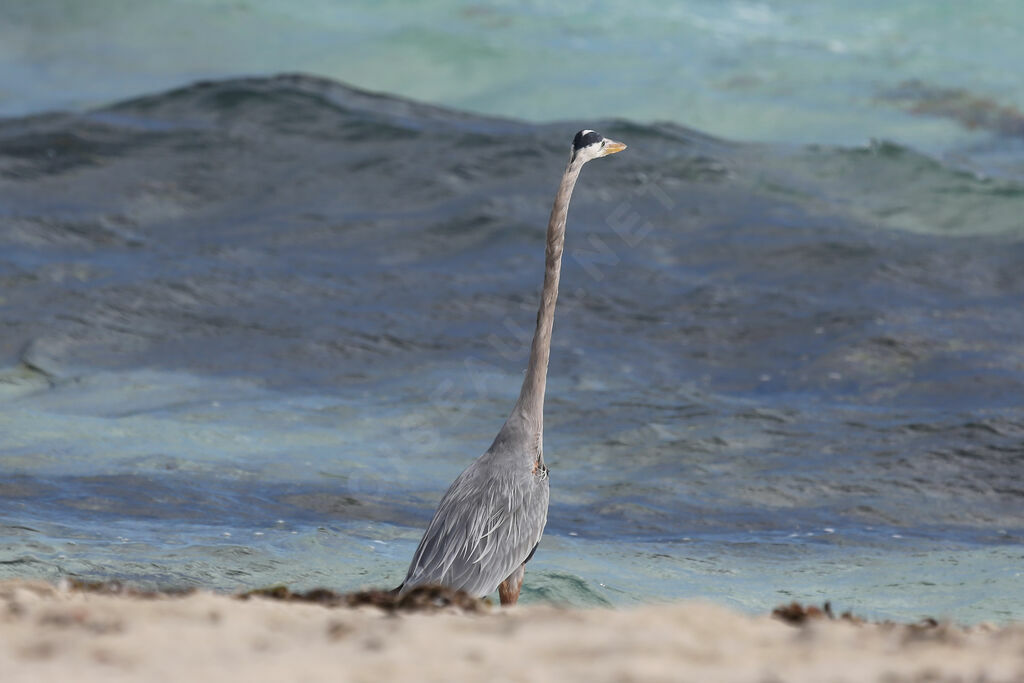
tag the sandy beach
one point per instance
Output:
(50, 633)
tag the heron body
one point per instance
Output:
(491, 519)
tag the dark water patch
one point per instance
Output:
(331, 505)
(32, 149)
(19, 561)
(19, 486)
(888, 185)
(219, 502)
(561, 588)
(103, 232)
(971, 110)
(134, 497)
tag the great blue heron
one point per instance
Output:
(490, 521)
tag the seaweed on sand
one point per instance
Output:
(419, 599)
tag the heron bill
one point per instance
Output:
(611, 147)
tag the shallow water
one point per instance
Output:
(252, 330)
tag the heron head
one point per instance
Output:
(589, 145)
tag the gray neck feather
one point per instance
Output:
(528, 415)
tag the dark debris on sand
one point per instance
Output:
(115, 587)
(795, 613)
(420, 599)
(433, 598)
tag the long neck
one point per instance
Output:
(530, 406)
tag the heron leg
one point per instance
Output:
(508, 590)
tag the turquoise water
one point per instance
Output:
(247, 328)
(783, 70)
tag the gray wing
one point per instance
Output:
(486, 526)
